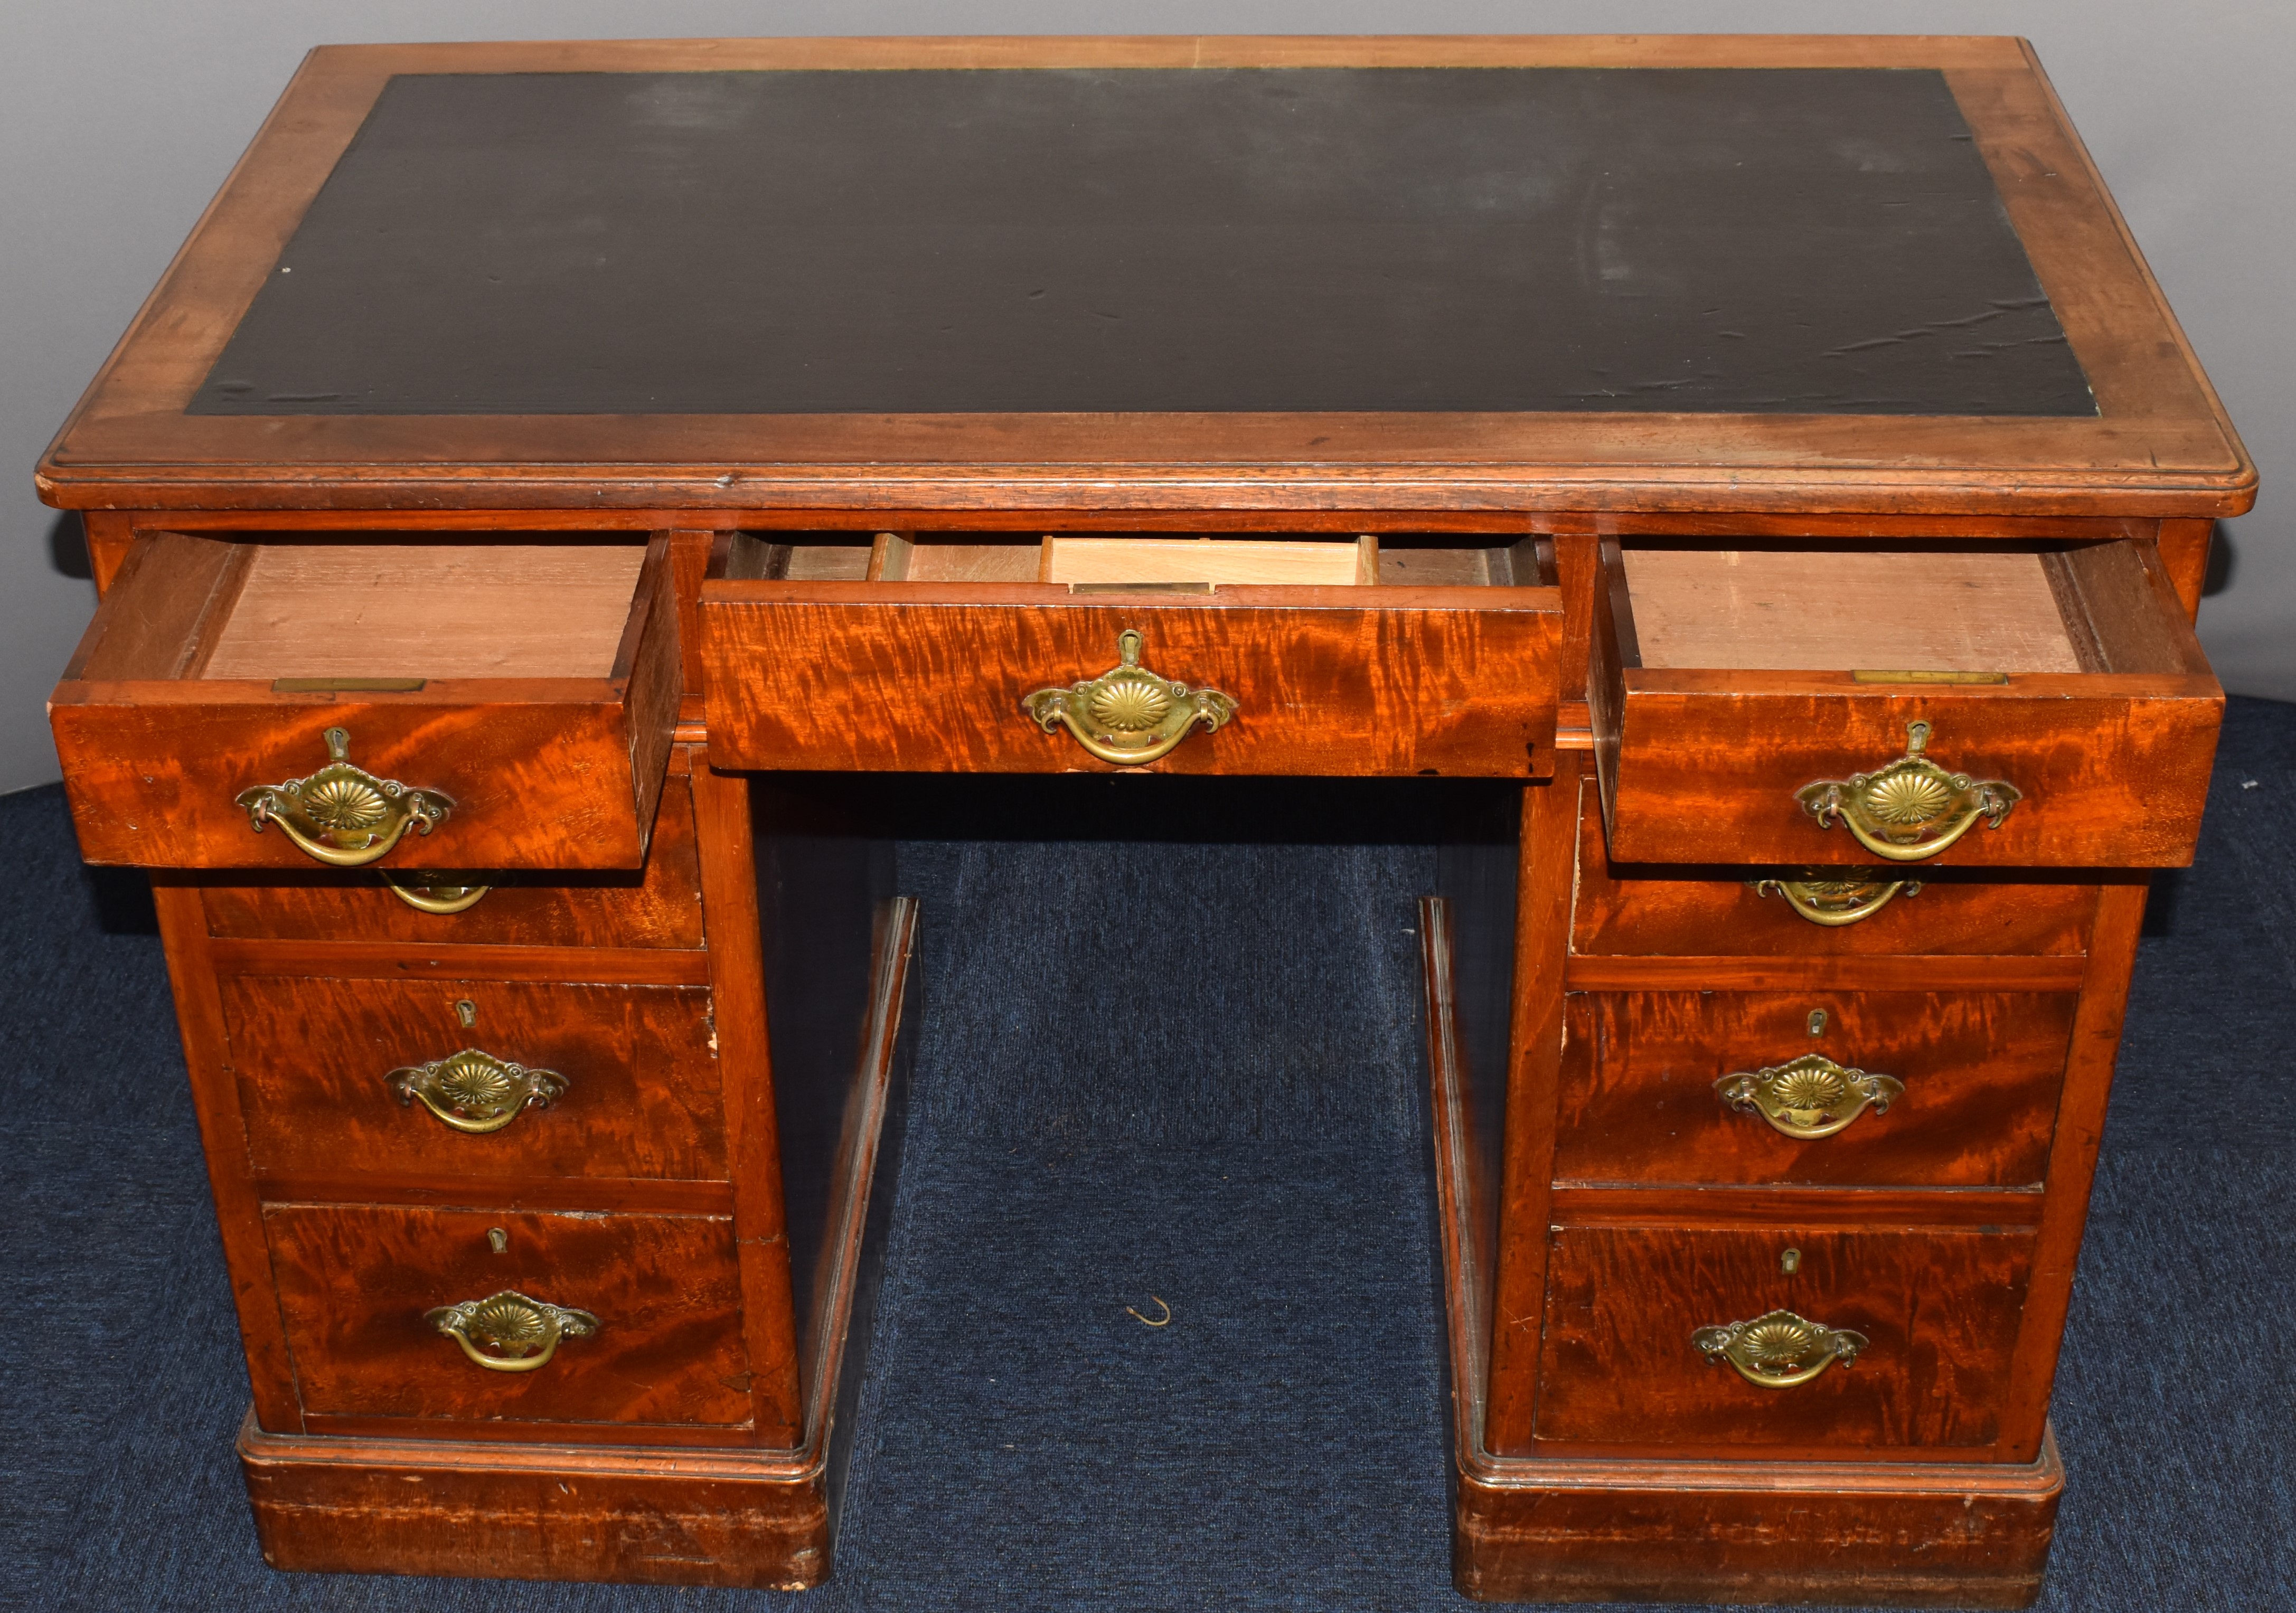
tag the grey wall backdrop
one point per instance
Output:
(119, 118)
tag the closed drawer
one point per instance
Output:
(2017, 705)
(1628, 911)
(332, 1077)
(409, 704)
(914, 674)
(358, 1287)
(1937, 1311)
(1913, 1089)
(658, 907)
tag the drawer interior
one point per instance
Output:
(1130, 560)
(303, 607)
(1971, 609)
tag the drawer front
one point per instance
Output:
(1973, 1101)
(182, 722)
(1629, 912)
(2012, 707)
(1713, 767)
(1938, 1312)
(837, 676)
(357, 1286)
(657, 906)
(635, 1092)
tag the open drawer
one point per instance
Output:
(998, 653)
(2039, 705)
(414, 702)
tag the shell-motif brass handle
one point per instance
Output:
(1835, 903)
(1810, 1097)
(1779, 1350)
(508, 1332)
(343, 815)
(1912, 808)
(429, 897)
(475, 1092)
(1128, 714)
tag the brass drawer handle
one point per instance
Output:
(1835, 903)
(475, 1092)
(343, 815)
(1810, 1097)
(1912, 808)
(434, 899)
(512, 1327)
(1779, 1350)
(1128, 714)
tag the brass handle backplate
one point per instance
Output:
(1912, 808)
(508, 1332)
(343, 815)
(1835, 903)
(1779, 1350)
(1128, 714)
(427, 896)
(475, 1092)
(1812, 1096)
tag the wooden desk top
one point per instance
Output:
(1379, 275)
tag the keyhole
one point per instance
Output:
(1817, 1021)
(467, 1011)
(497, 1239)
(1790, 1262)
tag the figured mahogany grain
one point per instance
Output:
(633, 1195)
(398, 960)
(914, 678)
(344, 1505)
(1837, 1532)
(549, 772)
(659, 905)
(313, 1059)
(1703, 764)
(537, 783)
(2072, 1167)
(1534, 1075)
(1762, 1207)
(739, 1017)
(1980, 1074)
(1883, 971)
(2114, 767)
(1617, 1371)
(1596, 1528)
(355, 1282)
(1589, 1526)
(223, 1139)
(1467, 1151)
(1627, 911)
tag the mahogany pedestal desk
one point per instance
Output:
(560, 487)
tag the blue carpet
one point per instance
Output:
(1249, 1145)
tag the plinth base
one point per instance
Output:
(331, 1504)
(1855, 1534)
